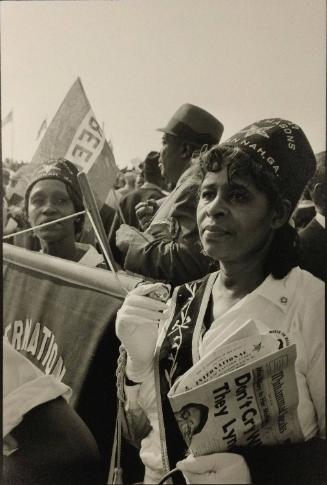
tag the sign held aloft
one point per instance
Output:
(75, 134)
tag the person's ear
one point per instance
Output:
(316, 190)
(186, 151)
(281, 214)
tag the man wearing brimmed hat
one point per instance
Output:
(150, 189)
(169, 249)
(187, 131)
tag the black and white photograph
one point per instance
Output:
(163, 241)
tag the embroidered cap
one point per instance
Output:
(282, 148)
(60, 169)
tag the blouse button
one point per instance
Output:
(283, 299)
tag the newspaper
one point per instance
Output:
(243, 393)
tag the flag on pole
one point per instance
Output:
(16, 193)
(75, 134)
(61, 316)
(55, 306)
(42, 128)
(8, 119)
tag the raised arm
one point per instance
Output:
(175, 254)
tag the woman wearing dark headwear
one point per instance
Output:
(52, 194)
(250, 187)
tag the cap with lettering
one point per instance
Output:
(282, 148)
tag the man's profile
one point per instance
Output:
(191, 419)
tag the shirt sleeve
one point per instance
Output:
(304, 462)
(314, 341)
(25, 387)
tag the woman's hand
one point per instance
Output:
(137, 326)
(215, 468)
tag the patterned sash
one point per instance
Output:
(174, 357)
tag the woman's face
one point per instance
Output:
(49, 200)
(234, 220)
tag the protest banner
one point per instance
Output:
(61, 316)
(75, 134)
(55, 311)
(42, 128)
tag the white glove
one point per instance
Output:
(215, 468)
(137, 324)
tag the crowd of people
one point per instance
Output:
(225, 229)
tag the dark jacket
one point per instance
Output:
(130, 200)
(175, 254)
(313, 249)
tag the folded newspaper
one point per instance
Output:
(243, 393)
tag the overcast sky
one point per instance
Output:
(139, 60)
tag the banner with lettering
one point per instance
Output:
(75, 134)
(56, 312)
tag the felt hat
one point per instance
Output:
(194, 125)
(60, 169)
(282, 148)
